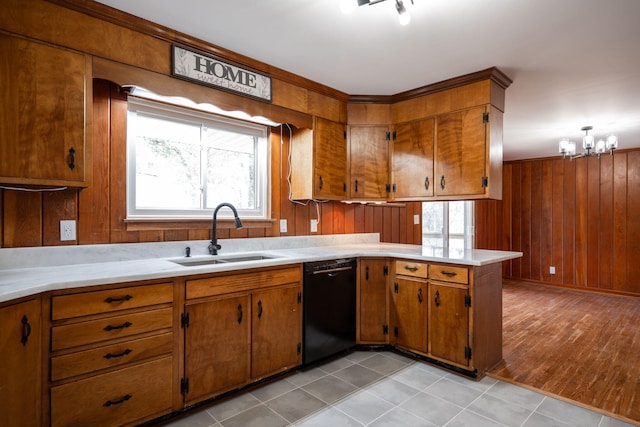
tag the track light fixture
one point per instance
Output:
(568, 148)
(404, 18)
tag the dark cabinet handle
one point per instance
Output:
(321, 183)
(426, 183)
(436, 298)
(117, 402)
(420, 295)
(113, 328)
(72, 158)
(118, 299)
(259, 309)
(26, 330)
(356, 185)
(414, 268)
(239, 314)
(366, 273)
(112, 356)
(442, 183)
(449, 273)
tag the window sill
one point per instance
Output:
(146, 224)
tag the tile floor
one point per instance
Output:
(387, 389)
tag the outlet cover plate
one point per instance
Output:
(314, 225)
(283, 225)
(67, 230)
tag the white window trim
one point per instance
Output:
(263, 170)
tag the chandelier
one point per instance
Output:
(347, 6)
(591, 147)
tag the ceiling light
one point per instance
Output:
(589, 144)
(348, 6)
(404, 17)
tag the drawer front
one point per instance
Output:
(240, 282)
(411, 268)
(67, 306)
(116, 398)
(448, 273)
(95, 331)
(110, 356)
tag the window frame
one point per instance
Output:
(181, 114)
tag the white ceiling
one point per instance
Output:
(573, 62)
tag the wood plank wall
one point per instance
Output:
(32, 218)
(580, 216)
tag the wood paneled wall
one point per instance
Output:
(32, 218)
(581, 217)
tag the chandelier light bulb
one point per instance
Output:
(612, 142)
(600, 146)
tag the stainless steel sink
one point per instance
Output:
(194, 262)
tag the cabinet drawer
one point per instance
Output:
(110, 356)
(239, 282)
(67, 306)
(411, 268)
(116, 398)
(94, 331)
(447, 273)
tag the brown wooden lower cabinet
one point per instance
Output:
(20, 374)
(373, 301)
(409, 307)
(233, 338)
(448, 313)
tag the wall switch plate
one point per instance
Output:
(67, 230)
(283, 225)
(416, 219)
(314, 225)
(552, 270)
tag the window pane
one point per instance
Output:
(456, 217)
(230, 169)
(432, 218)
(167, 164)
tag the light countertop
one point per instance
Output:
(29, 271)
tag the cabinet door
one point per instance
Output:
(448, 323)
(330, 154)
(368, 162)
(412, 160)
(20, 372)
(217, 346)
(461, 153)
(42, 136)
(410, 314)
(372, 301)
(276, 336)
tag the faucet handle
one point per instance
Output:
(213, 249)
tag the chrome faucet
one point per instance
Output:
(214, 246)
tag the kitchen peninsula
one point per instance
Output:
(128, 325)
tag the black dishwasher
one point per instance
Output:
(329, 308)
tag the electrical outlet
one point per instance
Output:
(416, 219)
(314, 225)
(552, 270)
(68, 230)
(283, 225)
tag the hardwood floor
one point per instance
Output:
(577, 345)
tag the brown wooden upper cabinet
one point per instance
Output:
(412, 160)
(319, 161)
(468, 157)
(368, 162)
(46, 114)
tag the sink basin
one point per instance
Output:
(194, 262)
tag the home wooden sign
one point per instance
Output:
(207, 70)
